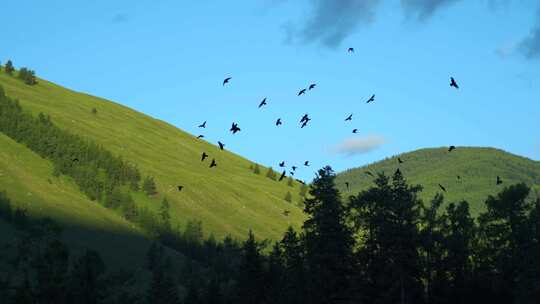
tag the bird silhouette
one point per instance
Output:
(372, 98)
(204, 156)
(291, 173)
(306, 163)
(286, 212)
(312, 86)
(278, 122)
(355, 131)
(282, 175)
(200, 136)
(221, 145)
(180, 188)
(234, 128)
(399, 160)
(453, 83)
(347, 185)
(203, 125)
(349, 118)
(369, 173)
(263, 102)
(350, 50)
(304, 118)
(442, 187)
(302, 91)
(499, 180)
(293, 168)
(451, 148)
(226, 80)
(282, 164)
(213, 164)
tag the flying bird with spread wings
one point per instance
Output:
(453, 83)
(263, 102)
(234, 128)
(372, 98)
(226, 80)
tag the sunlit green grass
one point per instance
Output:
(229, 199)
(477, 167)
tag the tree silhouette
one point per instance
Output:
(329, 242)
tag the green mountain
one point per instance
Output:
(229, 199)
(477, 168)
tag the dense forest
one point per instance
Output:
(383, 245)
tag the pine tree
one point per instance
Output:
(162, 289)
(149, 186)
(86, 279)
(387, 217)
(6, 212)
(290, 182)
(271, 174)
(288, 197)
(295, 284)
(8, 68)
(257, 169)
(303, 190)
(94, 111)
(164, 213)
(329, 242)
(506, 231)
(459, 231)
(250, 278)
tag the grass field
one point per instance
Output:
(229, 199)
(477, 167)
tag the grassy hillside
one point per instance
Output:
(477, 167)
(229, 199)
(28, 180)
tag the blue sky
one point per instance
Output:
(168, 59)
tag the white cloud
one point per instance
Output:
(361, 145)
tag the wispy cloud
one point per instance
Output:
(423, 9)
(120, 18)
(331, 21)
(354, 146)
(530, 46)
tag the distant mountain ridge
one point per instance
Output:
(477, 168)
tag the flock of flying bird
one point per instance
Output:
(303, 123)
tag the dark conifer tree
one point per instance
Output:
(388, 220)
(328, 242)
(250, 278)
(8, 68)
(149, 186)
(87, 285)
